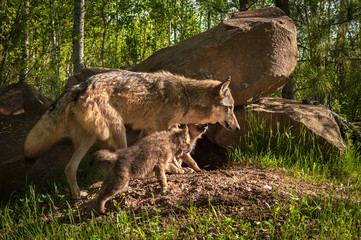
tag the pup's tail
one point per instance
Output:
(47, 130)
(104, 155)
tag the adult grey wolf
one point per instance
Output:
(148, 155)
(99, 107)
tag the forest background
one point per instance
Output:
(36, 41)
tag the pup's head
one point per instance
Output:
(223, 108)
(196, 130)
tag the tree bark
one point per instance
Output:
(284, 5)
(54, 44)
(288, 91)
(23, 76)
(243, 5)
(78, 35)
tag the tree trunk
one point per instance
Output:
(288, 91)
(284, 6)
(54, 45)
(23, 76)
(78, 35)
(243, 5)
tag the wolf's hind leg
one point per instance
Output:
(118, 137)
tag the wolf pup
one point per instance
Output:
(148, 155)
(195, 131)
(99, 108)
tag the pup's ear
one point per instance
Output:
(223, 87)
(182, 126)
(174, 126)
(185, 131)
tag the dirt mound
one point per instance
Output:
(245, 190)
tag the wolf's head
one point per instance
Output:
(223, 107)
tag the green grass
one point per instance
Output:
(304, 154)
(36, 216)
(334, 214)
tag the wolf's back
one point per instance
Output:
(47, 130)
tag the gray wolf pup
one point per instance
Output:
(99, 108)
(148, 156)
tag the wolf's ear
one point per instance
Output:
(223, 87)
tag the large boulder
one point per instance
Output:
(20, 107)
(257, 48)
(288, 114)
(84, 74)
(20, 98)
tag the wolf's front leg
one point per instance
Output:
(72, 167)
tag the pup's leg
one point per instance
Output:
(111, 186)
(162, 179)
(187, 159)
(82, 141)
(174, 166)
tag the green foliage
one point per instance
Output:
(303, 153)
(329, 69)
(117, 34)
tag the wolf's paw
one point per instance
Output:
(83, 193)
(179, 171)
(80, 194)
(166, 190)
(188, 170)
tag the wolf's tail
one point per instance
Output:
(47, 130)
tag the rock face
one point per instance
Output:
(20, 107)
(314, 118)
(20, 98)
(257, 48)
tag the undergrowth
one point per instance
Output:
(303, 153)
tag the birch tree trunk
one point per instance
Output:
(78, 35)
